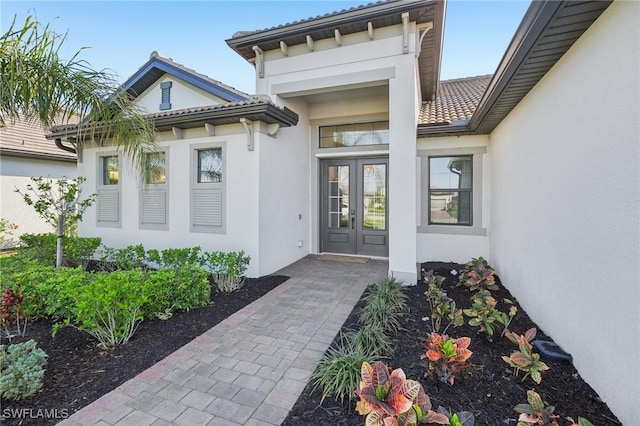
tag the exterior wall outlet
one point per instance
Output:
(299, 243)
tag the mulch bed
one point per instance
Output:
(488, 389)
(78, 372)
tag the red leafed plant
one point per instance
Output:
(447, 356)
(11, 312)
(525, 359)
(389, 399)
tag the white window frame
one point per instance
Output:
(477, 153)
(101, 188)
(196, 186)
(161, 188)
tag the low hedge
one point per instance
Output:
(115, 300)
(42, 248)
(170, 290)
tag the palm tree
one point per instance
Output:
(36, 83)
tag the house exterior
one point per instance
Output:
(25, 152)
(356, 147)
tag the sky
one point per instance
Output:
(120, 35)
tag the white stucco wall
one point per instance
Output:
(455, 247)
(16, 172)
(241, 191)
(182, 95)
(359, 63)
(284, 197)
(565, 206)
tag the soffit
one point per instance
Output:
(546, 33)
(562, 23)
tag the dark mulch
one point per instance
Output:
(78, 372)
(488, 388)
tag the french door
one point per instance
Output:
(353, 216)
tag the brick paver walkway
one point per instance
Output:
(250, 368)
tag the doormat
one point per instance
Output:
(345, 259)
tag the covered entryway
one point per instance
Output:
(353, 215)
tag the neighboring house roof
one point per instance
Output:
(26, 138)
(158, 65)
(353, 20)
(456, 100)
(256, 108)
(546, 33)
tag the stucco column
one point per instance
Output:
(402, 172)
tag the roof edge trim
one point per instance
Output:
(533, 24)
(190, 78)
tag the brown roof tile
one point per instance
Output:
(26, 138)
(312, 18)
(456, 100)
(253, 100)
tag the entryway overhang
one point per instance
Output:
(427, 14)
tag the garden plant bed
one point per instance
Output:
(78, 372)
(488, 388)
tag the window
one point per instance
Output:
(110, 170)
(108, 189)
(155, 173)
(451, 191)
(376, 133)
(209, 165)
(165, 96)
(153, 204)
(208, 188)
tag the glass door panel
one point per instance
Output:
(338, 196)
(374, 196)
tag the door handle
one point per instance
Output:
(353, 222)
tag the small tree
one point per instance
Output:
(58, 203)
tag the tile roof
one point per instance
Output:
(456, 100)
(312, 18)
(158, 65)
(193, 72)
(235, 108)
(253, 100)
(26, 138)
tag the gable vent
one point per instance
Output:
(165, 102)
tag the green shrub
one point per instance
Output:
(48, 292)
(175, 258)
(130, 257)
(42, 248)
(338, 372)
(30, 275)
(22, 368)
(169, 289)
(228, 268)
(110, 309)
(58, 292)
(372, 340)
